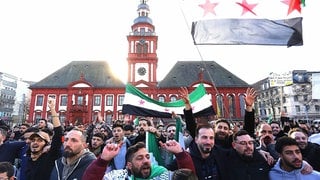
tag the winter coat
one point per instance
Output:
(64, 171)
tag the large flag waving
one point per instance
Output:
(137, 103)
(245, 22)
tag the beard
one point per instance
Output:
(142, 172)
(221, 135)
(67, 153)
(205, 148)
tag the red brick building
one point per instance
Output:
(84, 89)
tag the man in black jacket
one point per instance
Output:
(41, 161)
(244, 160)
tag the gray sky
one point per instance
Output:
(38, 37)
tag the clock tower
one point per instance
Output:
(142, 56)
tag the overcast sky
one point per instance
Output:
(38, 37)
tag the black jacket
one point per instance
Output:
(256, 168)
(41, 168)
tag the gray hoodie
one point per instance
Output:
(277, 173)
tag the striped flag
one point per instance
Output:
(137, 103)
(153, 148)
(245, 22)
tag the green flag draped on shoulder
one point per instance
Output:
(137, 103)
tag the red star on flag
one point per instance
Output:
(166, 110)
(293, 5)
(208, 7)
(247, 7)
(141, 102)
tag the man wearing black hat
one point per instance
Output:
(41, 161)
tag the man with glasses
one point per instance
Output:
(244, 160)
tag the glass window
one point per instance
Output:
(121, 98)
(80, 100)
(297, 108)
(63, 100)
(97, 100)
(109, 100)
(173, 98)
(161, 98)
(39, 101)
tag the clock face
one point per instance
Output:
(142, 71)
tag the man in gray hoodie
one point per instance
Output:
(290, 162)
(76, 157)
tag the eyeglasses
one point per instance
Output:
(245, 143)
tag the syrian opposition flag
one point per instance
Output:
(245, 22)
(137, 103)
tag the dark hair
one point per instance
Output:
(275, 122)
(117, 125)
(32, 129)
(4, 131)
(25, 124)
(46, 121)
(203, 126)
(100, 135)
(184, 174)
(284, 141)
(128, 127)
(223, 121)
(239, 133)
(169, 125)
(133, 149)
(7, 167)
(144, 119)
(49, 131)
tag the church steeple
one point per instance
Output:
(142, 56)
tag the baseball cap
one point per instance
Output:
(42, 135)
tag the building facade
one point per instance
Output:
(293, 101)
(85, 90)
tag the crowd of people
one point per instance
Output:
(213, 150)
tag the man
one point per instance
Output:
(310, 151)
(222, 133)
(277, 132)
(6, 171)
(41, 159)
(223, 137)
(145, 125)
(42, 124)
(9, 151)
(138, 163)
(129, 133)
(97, 143)
(244, 160)
(24, 153)
(76, 157)
(290, 162)
(118, 162)
(265, 140)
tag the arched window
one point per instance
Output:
(232, 105)
(161, 98)
(242, 105)
(173, 98)
(220, 110)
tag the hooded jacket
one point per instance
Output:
(75, 170)
(277, 173)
